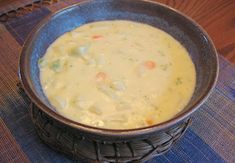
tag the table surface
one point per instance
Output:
(217, 17)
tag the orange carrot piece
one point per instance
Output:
(95, 37)
(150, 64)
(149, 121)
(101, 76)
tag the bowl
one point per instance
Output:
(91, 144)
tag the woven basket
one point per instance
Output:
(92, 149)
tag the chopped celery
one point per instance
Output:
(41, 62)
(80, 51)
(56, 65)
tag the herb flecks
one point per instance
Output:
(156, 108)
(146, 97)
(161, 53)
(164, 67)
(169, 45)
(40, 61)
(133, 59)
(56, 65)
(179, 81)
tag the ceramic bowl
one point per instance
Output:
(97, 144)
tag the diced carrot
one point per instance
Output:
(101, 76)
(150, 64)
(95, 37)
(149, 121)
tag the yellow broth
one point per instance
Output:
(117, 75)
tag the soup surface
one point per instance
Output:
(117, 75)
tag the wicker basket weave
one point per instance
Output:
(93, 149)
(89, 149)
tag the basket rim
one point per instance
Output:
(102, 131)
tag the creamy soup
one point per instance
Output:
(117, 75)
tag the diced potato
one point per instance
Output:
(75, 34)
(71, 44)
(80, 51)
(59, 85)
(83, 50)
(63, 103)
(98, 123)
(95, 110)
(122, 106)
(118, 85)
(141, 71)
(91, 62)
(84, 104)
(100, 61)
(85, 119)
(108, 91)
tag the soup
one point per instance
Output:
(117, 75)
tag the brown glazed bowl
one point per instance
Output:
(92, 144)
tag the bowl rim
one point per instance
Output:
(102, 131)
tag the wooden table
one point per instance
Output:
(217, 17)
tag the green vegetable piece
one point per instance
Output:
(41, 62)
(56, 66)
(80, 51)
